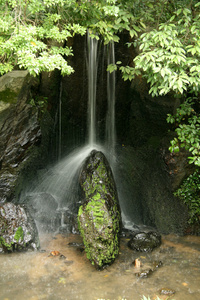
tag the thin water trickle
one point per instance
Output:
(92, 88)
(110, 118)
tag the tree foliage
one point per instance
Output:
(35, 33)
(189, 193)
(169, 55)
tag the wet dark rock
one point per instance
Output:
(145, 241)
(81, 249)
(157, 264)
(17, 229)
(42, 207)
(144, 274)
(62, 257)
(99, 216)
(20, 129)
(166, 291)
(25, 132)
(69, 222)
(74, 244)
(144, 183)
(147, 272)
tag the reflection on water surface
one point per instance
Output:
(39, 275)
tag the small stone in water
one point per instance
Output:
(137, 263)
(74, 244)
(144, 274)
(184, 284)
(166, 291)
(144, 241)
(157, 264)
(55, 253)
(81, 249)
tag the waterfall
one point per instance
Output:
(92, 68)
(59, 184)
(92, 87)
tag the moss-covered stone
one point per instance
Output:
(99, 216)
(17, 229)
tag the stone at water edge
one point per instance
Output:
(145, 241)
(166, 291)
(99, 216)
(17, 229)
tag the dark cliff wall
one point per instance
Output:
(25, 134)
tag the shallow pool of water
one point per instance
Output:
(69, 275)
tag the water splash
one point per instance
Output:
(61, 180)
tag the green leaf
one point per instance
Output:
(111, 68)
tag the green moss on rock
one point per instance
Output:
(5, 245)
(19, 234)
(8, 96)
(99, 217)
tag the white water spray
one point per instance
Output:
(60, 181)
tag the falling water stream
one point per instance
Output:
(92, 88)
(69, 275)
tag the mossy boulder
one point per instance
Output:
(17, 229)
(99, 216)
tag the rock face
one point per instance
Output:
(22, 137)
(17, 229)
(99, 216)
(143, 182)
(19, 131)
